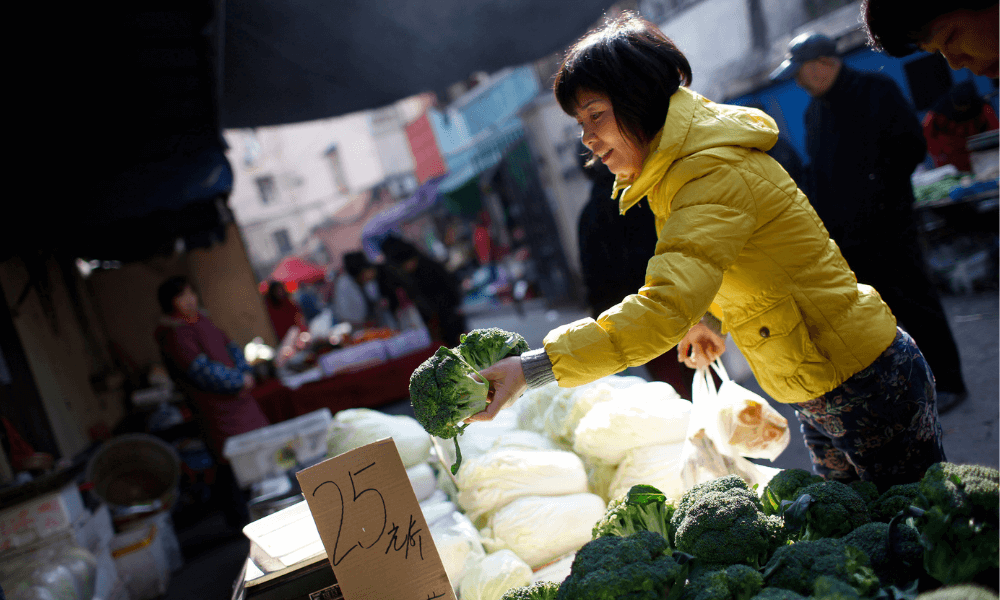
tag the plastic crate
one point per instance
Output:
(262, 453)
(407, 342)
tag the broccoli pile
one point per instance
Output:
(803, 538)
(447, 388)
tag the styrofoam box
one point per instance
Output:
(264, 452)
(407, 342)
(353, 358)
(34, 519)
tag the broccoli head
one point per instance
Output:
(642, 508)
(896, 498)
(895, 553)
(444, 391)
(796, 567)
(960, 521)
(719, 484)
(828, 509)
(637, 567)
(734, 582)
(540, 590)
(482, 348)
(728, 527)
(785, 485)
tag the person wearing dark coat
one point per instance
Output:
(614, 251)
(864, 140)
(438, 291)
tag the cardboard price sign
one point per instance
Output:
(372, 527)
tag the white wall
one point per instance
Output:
(295, 156)
(711, 34)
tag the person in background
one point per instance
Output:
(614, 250)
(738, 240)
(308, 299)
(959, 114)
(438, 294)
(864, 142)
(212, 372)
(366, 294)
(283, 311)
(965, 32)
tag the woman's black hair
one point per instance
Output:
(170, 289)
(895, 26)
(272, 292)
(634, 64)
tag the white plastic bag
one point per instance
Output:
(701, 458)
(743, 423)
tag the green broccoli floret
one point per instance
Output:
(773, 593)
(642, 508)
(444, 391)
(866, 489)
(959, 592)
(728, 527)
(637, 567)
(828, 509)
(540, 590)
(896, 558)
(829, 588)
(896, 498)
(735, 582)
(482, 348)
(785, 485)
(960, 523)
(797, 566)
(689, 497)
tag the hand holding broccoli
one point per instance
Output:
(447, 388)
(506, 379)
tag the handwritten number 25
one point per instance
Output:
(370, 517)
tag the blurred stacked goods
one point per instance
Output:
(957, 211)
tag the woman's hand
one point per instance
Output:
(703, 345)
(507, 383)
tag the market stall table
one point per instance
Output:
(366, 388)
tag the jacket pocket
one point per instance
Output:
(776, 343)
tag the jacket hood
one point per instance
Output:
(695, 124)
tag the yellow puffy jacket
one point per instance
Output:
(737, 238)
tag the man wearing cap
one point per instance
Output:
(864, 141)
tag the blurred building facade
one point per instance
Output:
(291, 179)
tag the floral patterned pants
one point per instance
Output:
(881, 425)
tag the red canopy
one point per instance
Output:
(295, 269)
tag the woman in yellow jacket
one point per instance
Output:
(739, 241)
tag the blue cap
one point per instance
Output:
(804, 47)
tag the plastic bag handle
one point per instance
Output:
(719, 368)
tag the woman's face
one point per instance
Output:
(600, 133)
(966, 38)
(186, 303)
